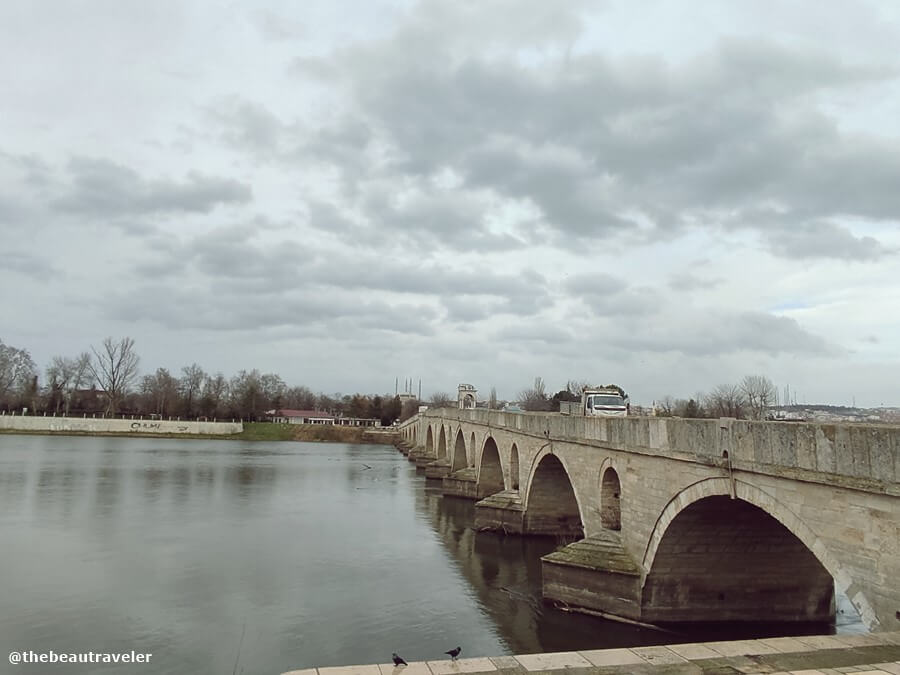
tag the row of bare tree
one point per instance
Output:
(106, 380)
(750, 398)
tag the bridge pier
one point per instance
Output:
(420, 457)
(595, 573)
(440, 468)
(501, 512)
(462, 483)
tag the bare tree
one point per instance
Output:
(577, 386)
(409, 408)
(441, 399)
(17, 371)
(215, 387)
(65, 376)
(189, 386)
(115, 367)
(535, 399)
(759, 393)
(301, 398)
(665, 407)
(159, 392)
(492, 401)
(726, 400)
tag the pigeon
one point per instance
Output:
(454, 653)
(398, 661)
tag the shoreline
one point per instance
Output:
(253, 431)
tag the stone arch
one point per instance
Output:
(458, 459)
(442, 444)
(490, 472)
(514, 467)
(429, 442)
(791, 524)
(551, 506)
(610, 500)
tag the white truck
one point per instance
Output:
(597, 402)
(604, 402)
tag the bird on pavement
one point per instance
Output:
(454, 653)
(398, 661)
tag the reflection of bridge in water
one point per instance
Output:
(685, 520)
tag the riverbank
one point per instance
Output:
(235, 431)
(874, 654)
(267, 431)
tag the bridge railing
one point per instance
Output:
(861, 451)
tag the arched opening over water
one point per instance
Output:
(514, 467)
(610, 500)
(429, 442)
(442, 444)
(724, 559)
(490, 473)
(458, 460)
(551, 507)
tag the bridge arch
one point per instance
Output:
(442, 444)
(490, 471)
(514, 467)
(429, 442)
(458, 458)
(610, 500)
(551, 505)
(801, 554)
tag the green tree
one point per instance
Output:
(391, 411)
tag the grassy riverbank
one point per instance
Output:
(267, 431)
(253, 431)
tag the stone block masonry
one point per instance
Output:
(723, 519)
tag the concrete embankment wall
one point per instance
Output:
(90, 425)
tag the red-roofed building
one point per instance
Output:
(302, 417)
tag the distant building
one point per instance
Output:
(302, 417)
(319, 417)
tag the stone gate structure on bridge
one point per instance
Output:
(684, 519)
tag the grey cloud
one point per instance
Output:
(592, 141)
(716, 331)
(688, 282)
(276, 27)
(27, 264)
(825, 240)
(103, 188)
(533, 332)
(249, 126)
(343, 316)
(609, 296)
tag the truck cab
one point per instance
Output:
(603, 403)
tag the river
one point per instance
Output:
(224, 556)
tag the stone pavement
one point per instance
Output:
(869, 654)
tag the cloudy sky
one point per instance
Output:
(661, 194)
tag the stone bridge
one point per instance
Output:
(684, 519)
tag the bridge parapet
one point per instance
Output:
(860, 455)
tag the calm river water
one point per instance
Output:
(273, 556)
